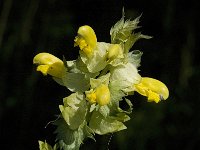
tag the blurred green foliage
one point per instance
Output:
(28, 101)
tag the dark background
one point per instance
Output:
(28, 100)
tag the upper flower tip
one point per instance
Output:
(45, 59)
(153, 89)
(49, 64)
(86, 39)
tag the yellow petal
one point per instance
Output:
(102, 95)
(43, 69)
(114, 51)
(89, 35)
(49, 64)
(152, 96)
(153, 89)
(86, 39)
(56, 69)
(45, 59)
(91, 97)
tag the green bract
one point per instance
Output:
(99, 78)
(127, 75)
(97, 62)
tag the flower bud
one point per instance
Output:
(113, 51)
(100, 95)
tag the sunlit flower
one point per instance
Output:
(153, 89)
(49, 64)
(100, 95)
(86, 40)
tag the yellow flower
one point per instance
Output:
(101, 95)
(49, 64)
(86, 40)
(153, 89)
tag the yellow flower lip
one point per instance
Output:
(100, 95)
(86, 39)
(153, 89)
(91, 97)
(49, 64)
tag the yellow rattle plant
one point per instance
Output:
(102, 76)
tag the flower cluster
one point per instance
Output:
(100, 78)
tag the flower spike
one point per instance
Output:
(100, 79)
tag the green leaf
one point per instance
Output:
(127, 74)
(63, 132)
(116, 95)
(72, 139)
(129, 110)
(98, 61)
(123, 117)
(46, 146)
(92, 107)
(134, 57)
(68, 147)
(101, 80)
(101, 125)
(81, 66)
(76, 82)
(58, 80)
(115, 88)
(104, 110)
(122, 30)
(88, 132)
(132, 39)
(130, 106)
(123, 33)
(74, 110)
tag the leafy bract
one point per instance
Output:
(74, 110)
(101, 125)
(98, 61)
(82, 67)
(46, 146)
(76, 82)
(63, 132)
(122, 30)
(104, 110)
(72, 139)
(132, 39)
(123, 33)
(134, 57)
(129, 110)
(101, 80)
(127, 75)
